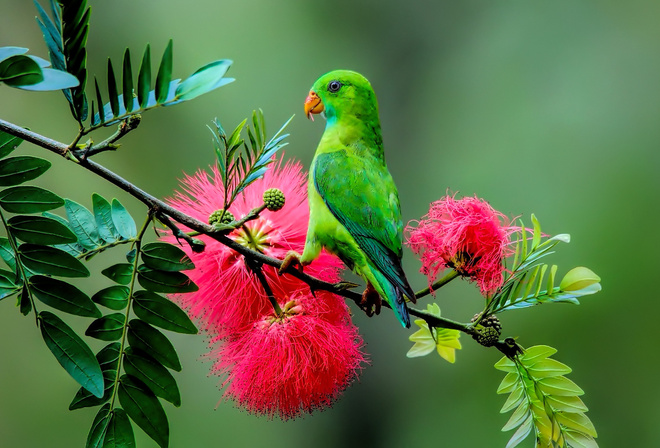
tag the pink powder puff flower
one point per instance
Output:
(229, 296)
(467, 235)
(293, 364)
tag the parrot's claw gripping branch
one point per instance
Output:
(291, 260)
(371, 301)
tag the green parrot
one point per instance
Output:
(354, 209)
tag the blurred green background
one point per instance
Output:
(544, 107)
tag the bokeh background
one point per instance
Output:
(544, 107)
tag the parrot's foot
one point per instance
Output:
(292, 259)
(371, 301)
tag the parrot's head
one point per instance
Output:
(342, 93)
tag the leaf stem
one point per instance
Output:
(138, 244)
(19, 266)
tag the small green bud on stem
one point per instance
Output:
(274, 199)
(221, 217)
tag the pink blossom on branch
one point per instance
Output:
(465, 234)
(274, 366)
(229, 296)
(294, 364)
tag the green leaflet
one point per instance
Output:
(204, 80)
(120, 273)
(62, 296)
(164, 76)
(8, 286)
(112, 90)
(143, 336)
(157, 310)
(103, 217)
(107, 328)
(29, 72)
(71, 352)
(51, 261)
(544, 400)
(119, 433)
(442, 340)
(144, 79)
(7, 253)
(122, 220)
(16, 170)
(165, 257)
(40, 230)
(25, 305)
(29, 199)
(144, 409)
(113, 297)
(99, 428)
(19, 70)
(108, 359)
(153, 374)
(162, 281)
(83, 224)
(8, 142)
(127, 82)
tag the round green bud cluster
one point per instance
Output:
(488, 336)
(492, 321)
(491, 331)
(274, 199)
(221, 217)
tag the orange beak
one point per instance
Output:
(313, 105)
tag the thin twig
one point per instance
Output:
(255, 267)
(451, 275)
(109, 144)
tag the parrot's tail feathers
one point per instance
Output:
(400, 308)
(395, 295)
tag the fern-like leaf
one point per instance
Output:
(544, 400)
(65, 35)
(242, 162)
(166, 92)
(524, 283)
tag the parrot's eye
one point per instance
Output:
(334, 86)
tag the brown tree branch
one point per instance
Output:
(219, 234)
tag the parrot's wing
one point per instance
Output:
(363, 198)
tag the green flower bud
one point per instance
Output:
(274, 199)
(221, 217)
